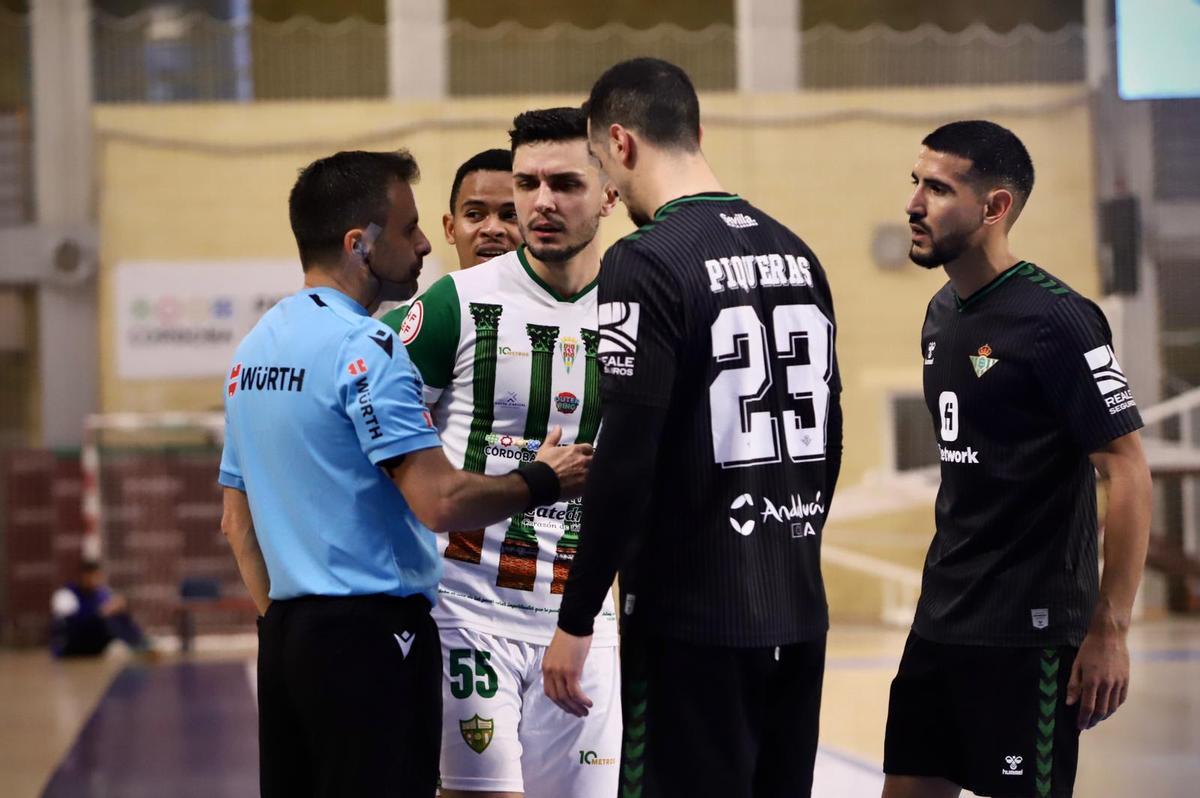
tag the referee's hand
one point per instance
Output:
(562, 668)
(570, 463)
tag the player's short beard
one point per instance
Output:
(638, 218)
(564, 253)
(945, 250)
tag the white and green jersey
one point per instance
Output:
(505, 359)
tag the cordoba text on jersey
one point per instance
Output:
(745, 272)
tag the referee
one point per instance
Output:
(333, 476)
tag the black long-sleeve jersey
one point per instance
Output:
(718, 321)
(1022, 385)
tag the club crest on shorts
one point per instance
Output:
(477, 732)
(1040, 618)
(983, 361)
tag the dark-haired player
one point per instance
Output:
(482, 222)
(333, 478)
(715, 468)
(508, 352)
(1017, 644)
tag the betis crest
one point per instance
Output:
(983, 361)
(477, 732)
(569, 347)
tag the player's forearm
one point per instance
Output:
(470, 501)
(616, 508)
(1126, 538)
(238, 527)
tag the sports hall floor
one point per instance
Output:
(114, 728)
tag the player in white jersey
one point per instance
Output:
(507, 351)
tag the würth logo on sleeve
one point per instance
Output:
(357, 367)
(1110, 380)
(618, 337)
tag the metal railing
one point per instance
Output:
(878, 56)
(160, 55)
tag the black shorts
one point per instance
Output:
(991, 719)
(705, 720)
(349, 697)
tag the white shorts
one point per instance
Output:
(501, 733)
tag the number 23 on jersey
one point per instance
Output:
(745, 419)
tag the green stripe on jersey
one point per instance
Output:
(487, 336)
(518, 552)
(589, 414)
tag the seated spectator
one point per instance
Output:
(88, 616)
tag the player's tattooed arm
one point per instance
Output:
(238, 526)
(1100, 677)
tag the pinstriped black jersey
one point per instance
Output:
(723, 317)
(1022, 385)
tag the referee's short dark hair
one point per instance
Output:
(343, 191)
(548, 124)
(650, 96)
(487, 161)
(997, 156)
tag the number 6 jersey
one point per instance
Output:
(504, 360)
(723, 317)
(1022, 384)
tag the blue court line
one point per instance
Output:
(1166, 655)
(188, 730)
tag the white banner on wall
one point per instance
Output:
(181, 319)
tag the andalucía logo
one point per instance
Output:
(983, 361)
(566, 402)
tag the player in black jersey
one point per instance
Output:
(719, 453)
(1017, 644)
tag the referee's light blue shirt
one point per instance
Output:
(318, 395)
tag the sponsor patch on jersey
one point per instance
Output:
(566, 402)
(266, 378)
(1110, 379)
(357, 367)
(618, 337)
(410, 328)
(739, 221)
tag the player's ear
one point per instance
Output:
(448, 228)
(611, 197)
(999, 205)
(625, 145)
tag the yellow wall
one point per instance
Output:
(211, 181)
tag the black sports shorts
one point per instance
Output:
(989, 718)
(708, 720)
(349, 697)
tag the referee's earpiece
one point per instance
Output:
(361, 250)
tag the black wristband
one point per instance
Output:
(544, 487)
